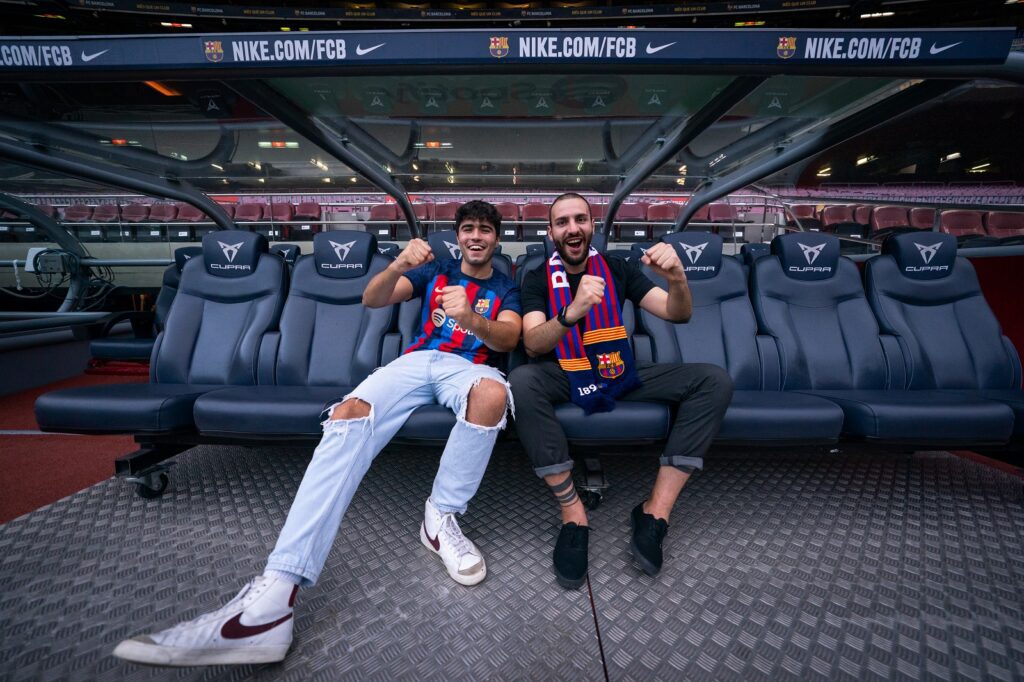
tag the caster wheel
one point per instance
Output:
(153, 486)
(590, 499)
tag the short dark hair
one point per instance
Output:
(569, 195)
(478, 210)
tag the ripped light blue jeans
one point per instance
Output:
(349, 446)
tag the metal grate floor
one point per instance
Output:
(860, 565)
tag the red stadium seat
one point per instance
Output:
(1005, 225)
(444, 216)
(862, 214)
(806, 215)
(282, 212)
(922, 218)
(308, 210)
(48, 209)
(132, 213)
(888, 217)
(597, 212)
(77, 213)
(229, 209)
(663, 218)
(382, 220)
(251, 212)
(509, 220)
(190, 214)
(535, 221)
(725, 214)
(635, 230)
(163, 213)
(962, 223)
(107, 213)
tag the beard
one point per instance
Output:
(563, 251)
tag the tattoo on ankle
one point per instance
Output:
(565, 492)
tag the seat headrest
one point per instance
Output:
(536, 248)
(445, 245)
(289, 252)
(700, 252)
(807, 255)
(185, 253)
(344, 254)
(922, 255)
(638, 249)
(232, 253)
(388, 249)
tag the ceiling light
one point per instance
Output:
(949, 157)
(262, 179)
(217, 166)
(451, 179)
(174, 24)
(414, 166)
(327, 179)
(353, 179)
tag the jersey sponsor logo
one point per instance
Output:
(574, 47)
(786, 47)
(438, 317)
(499, 46)
(289, 50)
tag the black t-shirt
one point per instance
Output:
(630, 282)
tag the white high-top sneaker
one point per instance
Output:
(254, 627)
(440, 533)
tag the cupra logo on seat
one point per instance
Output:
(339, 248)
(230, 250)
(811, 253)
(928, 252)
(454, 250)
(694, 252)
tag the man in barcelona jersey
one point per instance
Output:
(471, 313)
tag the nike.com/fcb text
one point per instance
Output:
(577, 46)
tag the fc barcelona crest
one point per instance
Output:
(610, 365)
(482, 306)
(499, 46)
(787, 47)
(214, 50)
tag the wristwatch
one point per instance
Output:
(561, 318)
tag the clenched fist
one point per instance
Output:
(663, 260)
(414, 255)
(455, 303)
(589, 293)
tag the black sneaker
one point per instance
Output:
(648, 532)
(571, 555)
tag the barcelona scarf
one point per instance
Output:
(603, 343)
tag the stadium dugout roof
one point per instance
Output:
(612, 111)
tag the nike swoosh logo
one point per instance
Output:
(937, 50)
(360, 51)
(90, 57)
(233, 629)
(651, 49)
(434, 542)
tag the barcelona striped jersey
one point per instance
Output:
(487, 297)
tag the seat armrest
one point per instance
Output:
(642, 351)
(391, 348)
(266, 368)
(771, 369)
(1014, 361)
(894, 361)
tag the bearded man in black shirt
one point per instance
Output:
(572, 327)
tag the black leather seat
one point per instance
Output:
(811, 301)
(140, 345)
(228, 299)
(722, 331)
(328, 343)
(930, 300)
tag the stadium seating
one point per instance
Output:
(444, 216)
(724, 217)
(967, 226)
(889, 220)
(535, 222)
(722, 331)
(510, 227)
(862, 214)
(328, 342)
(810, 300)
(806, 216)
(663, 218)
(921, 218)
(630, 223)
(228, 299)
(303, 231)
(383, 220)
(1008, 228)
(140, 345)
(839, 220)
(929, 299)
